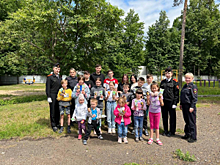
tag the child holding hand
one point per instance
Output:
(122, 113)
(154, 101)
(138, 106)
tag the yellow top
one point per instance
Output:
(64, 95)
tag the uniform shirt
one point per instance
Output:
(189, 95)
(106, 83)
(53, 84)
(72, 81)
(94, 76)
(155, 104)
(171, 90)
(138, 111)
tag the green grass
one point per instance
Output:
(186, 157)
(23, 87)
(20, 99)
(26, 120)
(208, 99)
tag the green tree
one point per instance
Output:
(157, 45)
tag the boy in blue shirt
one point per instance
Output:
(94, 114)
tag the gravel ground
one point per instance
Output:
(69, 150)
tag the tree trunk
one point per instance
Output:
(182, 45)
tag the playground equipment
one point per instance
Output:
(29, 81)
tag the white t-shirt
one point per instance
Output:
(147, 86)
(111, 94)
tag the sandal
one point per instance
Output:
(150, 141)
(159, 142)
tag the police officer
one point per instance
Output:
(171, 98)
(72, 81)
(188, 99)
(53, 85)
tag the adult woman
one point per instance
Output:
(124, 80)
(133, 80)
(72, 81)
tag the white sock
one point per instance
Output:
(157, 139)
(151, 138)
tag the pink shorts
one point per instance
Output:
(154, 120)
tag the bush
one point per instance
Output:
(186, 157)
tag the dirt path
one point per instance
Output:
(69, 150)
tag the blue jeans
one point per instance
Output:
(110, 115)
(138, 123)
(122, 130)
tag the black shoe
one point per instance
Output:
(166, 134)
(172, 134)
(55, 129)
(68, 129)
(190, 140)
(185, 137)
(61, 130)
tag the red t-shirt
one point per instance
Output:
(106, 83)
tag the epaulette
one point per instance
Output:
(175, 80)
(49, 75)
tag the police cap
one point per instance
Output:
(57, 65)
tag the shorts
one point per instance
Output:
(63, 108)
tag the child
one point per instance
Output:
(155, 101)
(111, 98)
(139, 86)
(122, 113)
(64, 98)
(98, 92)
(188, 99)
(147, 85)
(109, 79)
(93, 114)
(171, 98)
(80, 114)
(81, 88)
(126, 94)
(138, 106)
(88, 82)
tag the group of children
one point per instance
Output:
(123, 107)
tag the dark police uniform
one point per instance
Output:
(53, 85)
(188, 99)
(171, 97)
(72, 81)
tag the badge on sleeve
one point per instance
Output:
(177, 87)
(195, 91)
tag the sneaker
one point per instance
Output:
(136, 139)
(100, 137)
(150, 141)
(141, 139)
(68, 130)
(146, 132)
(109, 130)
(79, 137)
(159, 142)
(61, 130)
(113, 130)
(55, 129)
(191, 140)
(119, 140)
(84, 142)
(125, 140)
